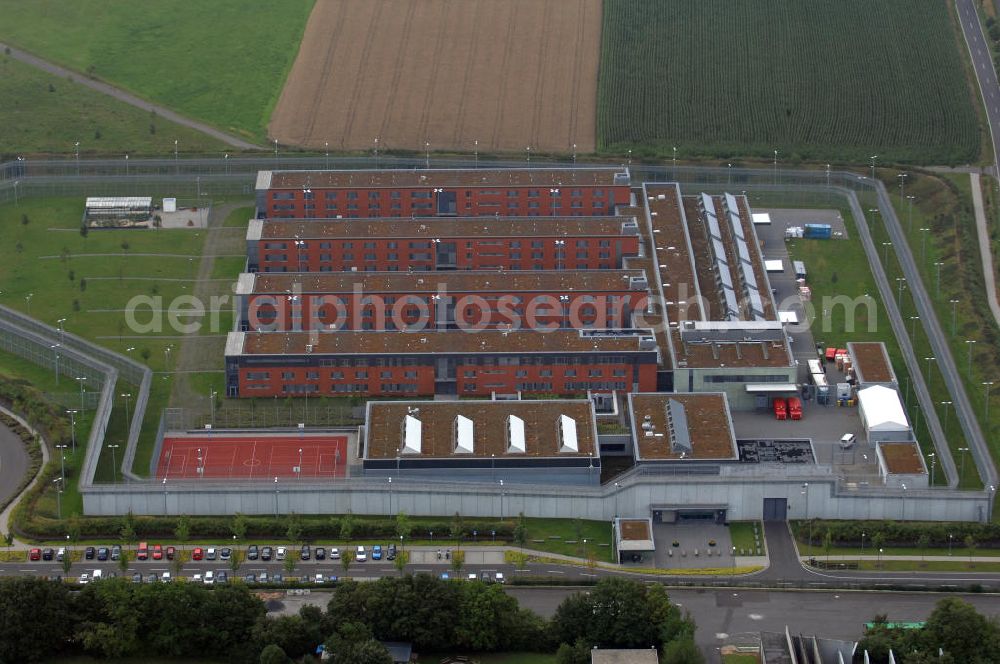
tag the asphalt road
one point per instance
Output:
(982, 62)
(14, 462)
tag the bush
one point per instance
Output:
(901, 533)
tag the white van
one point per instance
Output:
(97, 575)
(361, 556)
(847, 441)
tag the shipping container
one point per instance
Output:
(818, 231)
(800, 269)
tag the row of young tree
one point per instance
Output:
(954, 633)
(114, 618)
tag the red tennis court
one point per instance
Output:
(253, 457)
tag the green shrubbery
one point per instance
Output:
(898, 533)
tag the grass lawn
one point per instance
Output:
(234, 58)
(740, 658)
(44, 113)
(957, 565)
(227, 267)
(240, 217)
(565, 536)
(742, 532)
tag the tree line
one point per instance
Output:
(113, 618)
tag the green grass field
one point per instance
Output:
(812, 80)
(742, 532)
(44, 113)
(223, 62)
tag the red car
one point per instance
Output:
(35, 554)
(198, 553)
(170, 552)
(157, 552)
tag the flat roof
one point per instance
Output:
(671, 251)
(624, 656)
(368, 342)
(115, 202)
(902, 458)
(464, 177)
(871, 362)
(477, 281)
(383, 428)
(431, 227)
(690, 355)
(634, 529)
(709, 426)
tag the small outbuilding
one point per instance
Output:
(633, 539)
(902, 464)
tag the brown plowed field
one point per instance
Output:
(507, 73)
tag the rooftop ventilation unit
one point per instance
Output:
(568, 442)
(515, 435)
(412, 435)
(464, 429)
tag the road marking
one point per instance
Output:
(755, 616)
(554, 571)
(721, 635)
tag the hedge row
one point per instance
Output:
(47, 418)
(899, 533)
(257, 527)
(34, 451)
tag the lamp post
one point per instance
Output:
(27, 300)
(902, 178)
(501, 500)
(904, 501)
(76, 148)
(913, 326)
(276, 497)
(126, 164)
(59, 491)
(933, 458)
(225, 156)
(873, 158)
(574, 154)
(55, 351)
(987, 384)
(775, 167)
(211, 405)
(298, 468)
(427, 154)
(946, 410)
(475, 151)
(376, 153)
(616, 499)
(390, 495)
(128, 420)
(937, 278)
(909, 227)
(929, 360)
(862, 544)
(954, 315)
(900, 284)
(950, 538)
(969, 343)
(80, 380)
(164, 495)
(527, 152)
(62, 461)
(114, 463)
(62, 332)
(961, 464)
(828, 176)
(72, 420)
(923, 242)
(729, 174)
(275, 151)
(885, 252)
(177, 166)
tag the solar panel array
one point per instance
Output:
(722, 272)
(754, 300)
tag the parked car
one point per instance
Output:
(252, 552)
(249, 578)
(166, 578)
(209, 578)
(61, 553)
(89, 553)
(225, 553)
(331, 578)
(197, 553)
(35, 554)
(98, 575)
(265, 553)
(102, 553)
(320, 553)
(847, 441)
(360, 555)
(211, 553)
(142, 553)
(391, 552)
(84, 579)
(137, 577)
(335, 554)
(304, 553)
(377, 552)
(152, 578)
(499, 578)
(157, 552)
(263, 577)
(221, 577)
(277, 578)
(48, 554)
(485, 577)
(116, 552)
(197, 579)
(471, 576)
(171, 552)
(280, 553)
(318, 578)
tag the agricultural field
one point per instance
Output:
(44, 113)
(509, 75)
(834, 81)
(222, 62)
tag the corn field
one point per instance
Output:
(815, 80)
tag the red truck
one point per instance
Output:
(780, 409)
(794, 408)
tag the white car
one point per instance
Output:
(165, 577)
(334, 554)
(499, 577)
(196, 578)
(847, 441)
(318, 578)
(471, 577)
(262, 577)
(61, 553)
(280, 553)
(209, 578)
(210, 554)
(361, 555)
(97, 575)
(84, 579)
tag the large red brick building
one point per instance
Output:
(450, 300)
(273, 364)
(391, 245)
(442, 192)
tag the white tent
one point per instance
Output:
(882, 414)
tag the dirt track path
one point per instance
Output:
(127, 98)
(199, 353)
